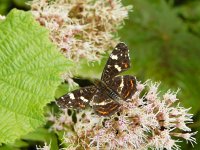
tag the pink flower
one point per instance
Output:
(146, 121)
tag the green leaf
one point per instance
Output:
(4, 6)
(30, 73)
(8, 147)
(61, 90)
(163, 49)
(90, 70)
(15, 146)
(19, 143)
(191, 15)
(45, 136)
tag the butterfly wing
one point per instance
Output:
(103, 105)
(118, 62)
(77, 99)
(125, 86)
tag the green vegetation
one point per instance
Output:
(29, 75)
(164, 41)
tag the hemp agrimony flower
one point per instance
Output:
(148, 120)
(81, 29)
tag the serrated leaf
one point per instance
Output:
(29, 75)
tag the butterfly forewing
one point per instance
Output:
(103, 105)
(125, 86)
(77, 99)
(106, 94)
(118, 62)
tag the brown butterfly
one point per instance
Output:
(105, 94)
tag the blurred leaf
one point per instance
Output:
(30, 73)
(5, 6)
(93, 70)
(20, 143)
(15, 146)
(8, 147)
(190, 14)
(164, 50)
(61, 90)
(20, 3)
(90, 70)
(43, 135)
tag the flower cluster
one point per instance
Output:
(81, 29)
(148, 120)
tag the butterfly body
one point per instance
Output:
(106, 90)
(105, 95)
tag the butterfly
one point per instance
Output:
(105, 95)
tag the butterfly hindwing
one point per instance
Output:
(77, 99)
(125, 86)
(105, 95)
(103, 105)
(118, 62)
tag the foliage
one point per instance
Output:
(29, 75)
(164, 40)
(170, 53)
(7, 5)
